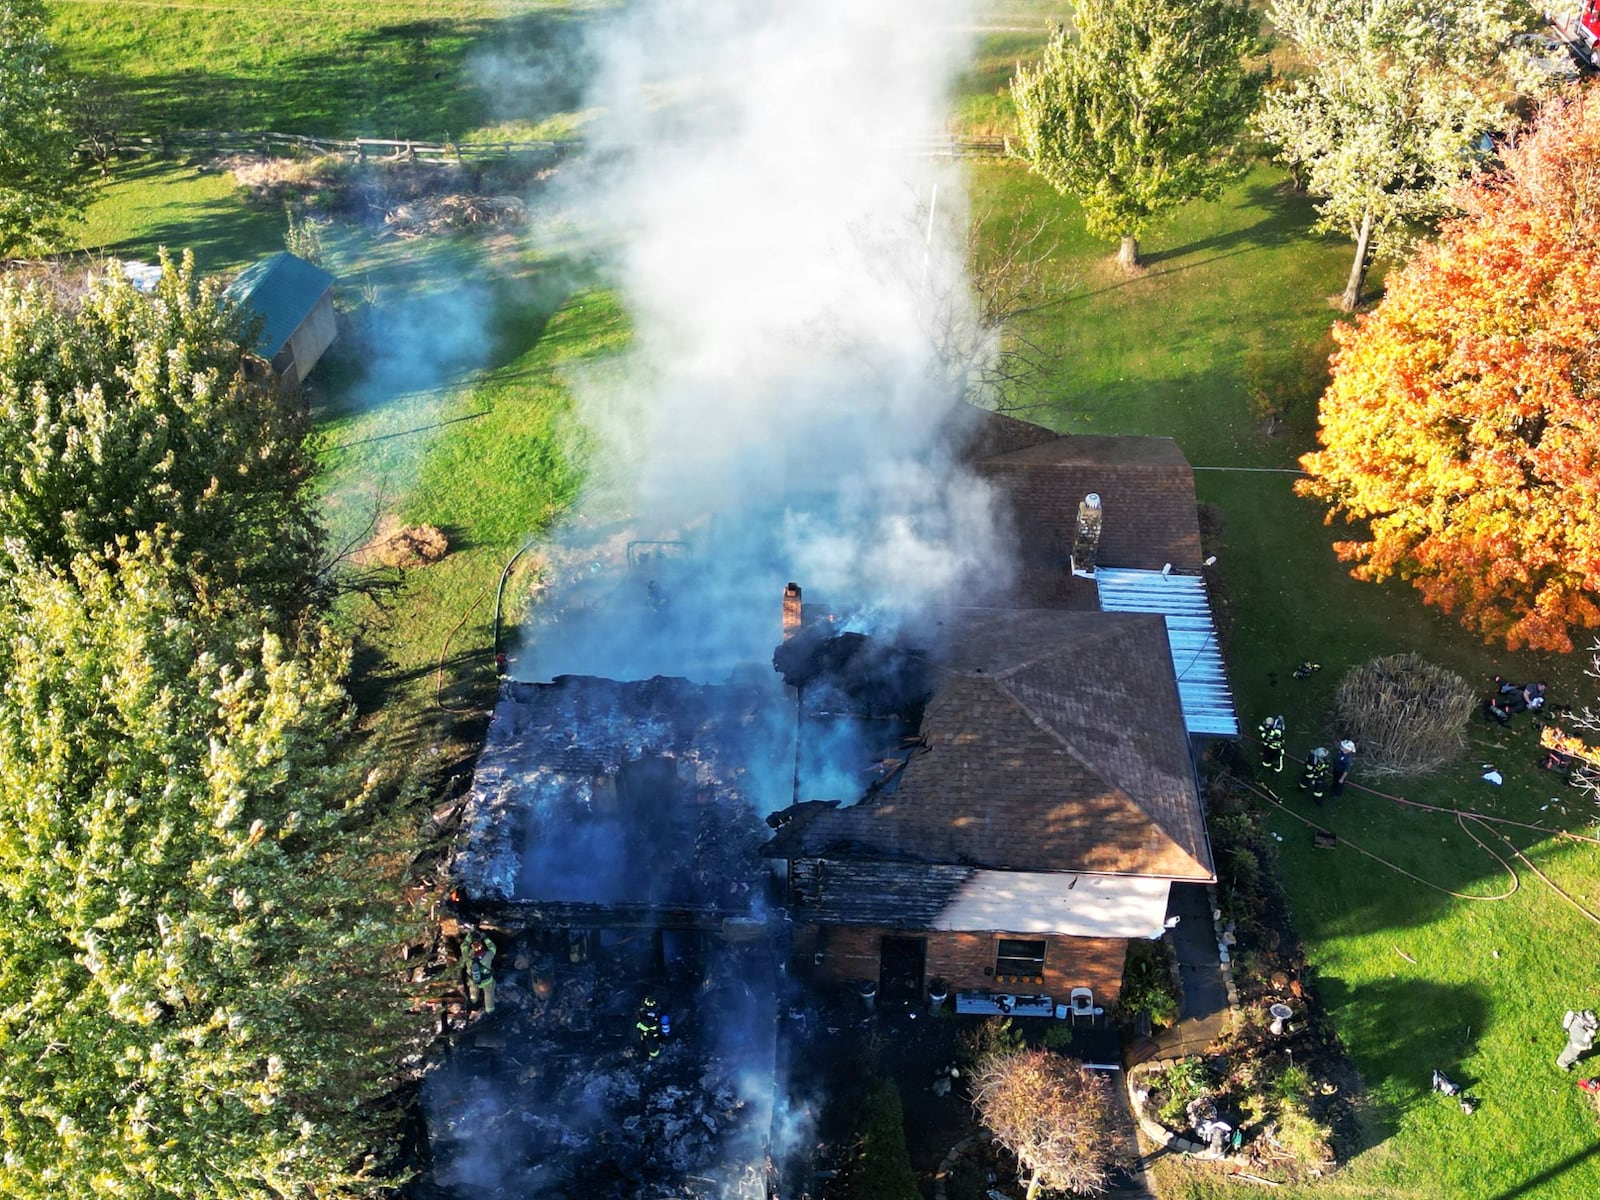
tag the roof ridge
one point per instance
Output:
(1089, 763)
(1090, 632)
(1120, 792)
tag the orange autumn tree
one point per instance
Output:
(1462, 423)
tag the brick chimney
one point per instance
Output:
(791, 611)
(1087, 542)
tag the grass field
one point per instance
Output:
(149, 204)
(480, 441)
(430, 70)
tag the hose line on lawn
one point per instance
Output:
(444, 649)
(1466, 812)
(1487, 820)
(1461, 819)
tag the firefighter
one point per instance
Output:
(1342, 762)
(1270, 731)
(1581, 1029)
(649, 1026)
(478, 967)
(1315, 777)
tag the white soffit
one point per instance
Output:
(1108, 906)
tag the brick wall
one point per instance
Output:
(965, 960)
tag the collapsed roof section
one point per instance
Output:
(597, 798)
(1052, 741)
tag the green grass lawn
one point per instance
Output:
(470, 431)
(433, 69)
(146, 205)
(1490, 979)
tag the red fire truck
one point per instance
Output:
(1580, 30)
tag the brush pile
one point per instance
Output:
(430, 215)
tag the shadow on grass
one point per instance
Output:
(1533, 1185)
(1407, 1029)
(425, 79)
(1285, 221)
(220, 231)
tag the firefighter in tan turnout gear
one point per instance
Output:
(477, 967)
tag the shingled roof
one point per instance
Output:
(1053, 741)
(1146, 490)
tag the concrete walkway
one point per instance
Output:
(1203, 1009)
(1204, 1012)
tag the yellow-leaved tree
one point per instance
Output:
(1462, 423)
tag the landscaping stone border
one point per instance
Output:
(1225, 943)
(982, 1138)
(1154, 1130)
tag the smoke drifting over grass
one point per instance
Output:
(760, 189)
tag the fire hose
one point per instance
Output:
(1487, 820)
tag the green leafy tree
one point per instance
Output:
(38, 185)
(199, 994)
(130, 413)
(1140, 113)
(1386, 121)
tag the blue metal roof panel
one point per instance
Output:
(1192, 634)
(282, 290)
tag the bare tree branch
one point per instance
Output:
(1052, 1114)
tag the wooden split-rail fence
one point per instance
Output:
(297, 145)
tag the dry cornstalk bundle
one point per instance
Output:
(1407, 715)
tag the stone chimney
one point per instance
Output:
(792, 613)
(1087, 542)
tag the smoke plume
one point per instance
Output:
(762, 189)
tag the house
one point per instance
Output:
(294, 301)
(1047, 801)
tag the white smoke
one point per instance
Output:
(761, 184)
(758, 189)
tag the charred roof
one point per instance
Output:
(1052, 741)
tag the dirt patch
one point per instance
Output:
(396, 544)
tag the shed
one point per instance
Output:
(294, 301)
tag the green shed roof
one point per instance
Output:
(282, 290)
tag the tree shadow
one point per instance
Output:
(1407, 1029)
(220, 231)
(1288, 216)
(1534, 1184)
(429, 79)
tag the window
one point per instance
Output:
(1019, 962)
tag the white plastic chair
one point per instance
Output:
(1082, 1001)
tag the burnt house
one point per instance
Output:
(1000, 796)
(1045, 800)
